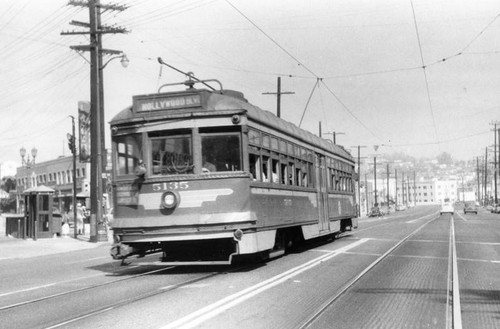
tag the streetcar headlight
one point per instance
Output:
(169, 200)
(235, 119)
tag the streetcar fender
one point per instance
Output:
(254, 242)
(121, 251)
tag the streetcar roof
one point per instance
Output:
(226, 100)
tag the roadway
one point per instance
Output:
(411, 269)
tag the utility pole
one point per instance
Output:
(366, 193)
(278, 94)
(97, 164)
(388, 194)
(403, 187)
(375, 179)
(414, 188)
(396, 187)
(478, 181)
(486, 175)
(408, 189)
(72, 147)
(335, 136)
(359, 179)
(496, 164)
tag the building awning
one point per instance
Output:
(83, 194)
(4, 195)
(39, 189)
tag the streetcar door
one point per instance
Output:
(322, 192)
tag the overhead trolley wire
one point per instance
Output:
(424, 71)
(461, 52)
(273, 41)
(318, 78)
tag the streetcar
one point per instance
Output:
(205, 177)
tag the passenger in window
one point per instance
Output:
(304, 180)
(275, 178)
(207, 166)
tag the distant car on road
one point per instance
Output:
(447, 207)
(470, 207)
(375, 212)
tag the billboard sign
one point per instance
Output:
(84, 130)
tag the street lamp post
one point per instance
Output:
(27, 163)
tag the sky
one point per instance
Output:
(420, 77)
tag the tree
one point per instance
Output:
(445, 158)
(8, 184)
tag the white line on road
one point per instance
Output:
(28, 289)
(50, 284)
(457, 313)
(208, 312)
(461, 217)
(75, 290)
(417, 219)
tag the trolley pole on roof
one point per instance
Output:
(278, 94)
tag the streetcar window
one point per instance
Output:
(274, 143)
(283, 148)
(275, 167)
(128, 153)
(254, 137)
(266, 141)
(221, 152)
(291, 174)
(284, 174)
(254, 162)
(172, 155)
(298, 175)
(266, 168)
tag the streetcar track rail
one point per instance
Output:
(158, 291)
(68, 292)
(309, 321)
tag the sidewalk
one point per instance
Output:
(13, 248)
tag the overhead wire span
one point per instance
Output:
(425, 73)
(442, 141)
(318, 78)
(272, 40)
(462, 52)
(349, 110)
(308, 100)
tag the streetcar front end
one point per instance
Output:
(179, 184)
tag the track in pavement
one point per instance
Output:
(118, 303)
(453, 318)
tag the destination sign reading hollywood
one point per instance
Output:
(165, 103)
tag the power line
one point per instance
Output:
(273, 41)
(423, 69)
